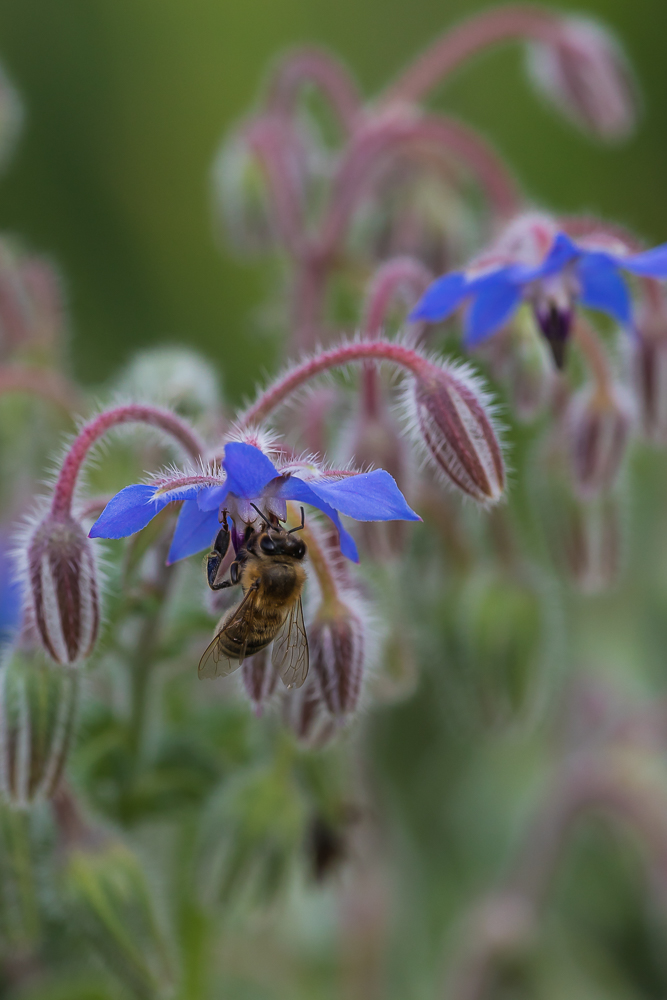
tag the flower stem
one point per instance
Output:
(133, 413)
(345, 354)
(314, 66)
(514, 21)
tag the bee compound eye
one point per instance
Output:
(267, 544)
(234, 572)
(299, 550)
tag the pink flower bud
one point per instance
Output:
(337, 648)
(597, 427)
(648, 369)
(593, 545)
(305, 712)
(63, 588)
(260, 679)
(451, 417)
(586, 76)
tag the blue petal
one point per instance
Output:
(11, 596)
(603, 288)
(369, 496)
(195, 530)
(650, 263)
(441, 298)
(129, 511)
(563, 251)
(495, 301)
(248, 470)
(212, 497)
(293, 488)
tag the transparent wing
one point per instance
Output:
(290, 648)
(236, 627)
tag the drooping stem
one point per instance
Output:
(393, 134)
(404, 277)
(132, 413)
(500, 24)
(314, 66)
(345, 354)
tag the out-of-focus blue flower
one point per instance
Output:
(561, 273)
(252, 477)
(11, 595)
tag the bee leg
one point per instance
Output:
(220, 549)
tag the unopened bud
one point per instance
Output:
(648, 363)
(260, 679)
(597, 427)
(306, 714)
(37, 717)
(63, 588)
(337, 650)
(593, 545)
(452, 419)
(242, 199)
(584, 73)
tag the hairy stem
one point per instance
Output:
(166, 421)
(313, 66)
(345, 354)
(499, 24)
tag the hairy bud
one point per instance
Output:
(63, 588)
(597, 428)
(593, 545)
(305, 712)
(648, 371)
(452, 419)
(337, 651)
(260, 679)
(37, 714)
(586, 76)
(174, 377)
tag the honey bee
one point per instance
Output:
(269, 568)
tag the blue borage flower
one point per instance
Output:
(534, 262)
(251, 476)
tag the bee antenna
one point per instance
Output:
(299, 526)
(263, 516)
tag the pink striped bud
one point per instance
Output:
(260, 679)
(63, 588)
(451, 417)
(597, 427)
(337, 648)
(37, 714)
(593, 545)
(648, 370)
(584, 73)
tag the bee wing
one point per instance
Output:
(216, 663)
(290, 648)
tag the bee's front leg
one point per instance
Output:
(214, 559)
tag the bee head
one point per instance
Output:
(274, 540)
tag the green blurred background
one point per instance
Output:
(126, 102)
